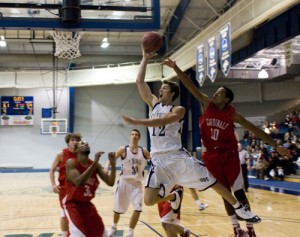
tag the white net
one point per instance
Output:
(67, 44)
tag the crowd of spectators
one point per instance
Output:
(265, 162)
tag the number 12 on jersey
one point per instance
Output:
(159, 131)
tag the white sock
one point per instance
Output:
(236, 205)
(64, 233)
(130, 231)
(198, 203)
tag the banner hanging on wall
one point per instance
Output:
(201, 68)
(212, 58)
(17, 110)
(225, 49)
(288, 53)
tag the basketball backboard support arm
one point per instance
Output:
(136, 24)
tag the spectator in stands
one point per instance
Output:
(295, 120)
(254, 156)
(262, 145)
(262, 164)
(288, 136)
(245, 165)
(298, 164)
(274, 128)
(290, 165)
(253, 139)
(290, 127)
(271, 171)
(266, 127)
(280, 167)
(287, 120)
(287, 142)
(297, 143)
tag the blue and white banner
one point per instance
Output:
(225, 48)
(212, 58)
(200, 65)
(288, 53)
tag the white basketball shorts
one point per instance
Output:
(179, 168)
(128, 192)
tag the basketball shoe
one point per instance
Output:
(202, 206)
(186, 233)
(176, 203)
(243, 213)
(112, 231)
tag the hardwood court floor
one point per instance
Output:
(29, 208)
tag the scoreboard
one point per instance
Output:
(17, 110)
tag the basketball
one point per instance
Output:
(151, 42)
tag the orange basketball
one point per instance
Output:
(151, 42)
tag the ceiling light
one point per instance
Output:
(104, 43)
(263, 74)
(2, 41)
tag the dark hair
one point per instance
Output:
(174, 88)
(69, 136)
(228, 94)
(135, 130)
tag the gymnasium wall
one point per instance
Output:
(98, 111)
(24, 145)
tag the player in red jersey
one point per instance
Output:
(60, 163)
(81, 185)
(217, 132)
(170, 220)
(171, 163)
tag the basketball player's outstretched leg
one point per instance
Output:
(242, 212)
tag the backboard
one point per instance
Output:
(54, 126)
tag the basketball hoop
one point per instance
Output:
(54, 129)
(67, 44)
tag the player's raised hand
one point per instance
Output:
(148, 54)
(168, 62)
(112, 158)
(98, 155)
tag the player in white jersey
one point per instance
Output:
(129, 186)
(165, 138)
(171, 163)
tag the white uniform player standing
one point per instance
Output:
(129, 186)
(171, 163)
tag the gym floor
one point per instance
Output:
(29, 208)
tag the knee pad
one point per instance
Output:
(240, 195)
